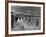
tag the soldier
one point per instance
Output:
(12, 19)
(37, 22)
(16, 18)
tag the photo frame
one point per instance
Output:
(30, 18)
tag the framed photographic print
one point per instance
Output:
(24, 18)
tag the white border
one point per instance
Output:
(9, 18)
